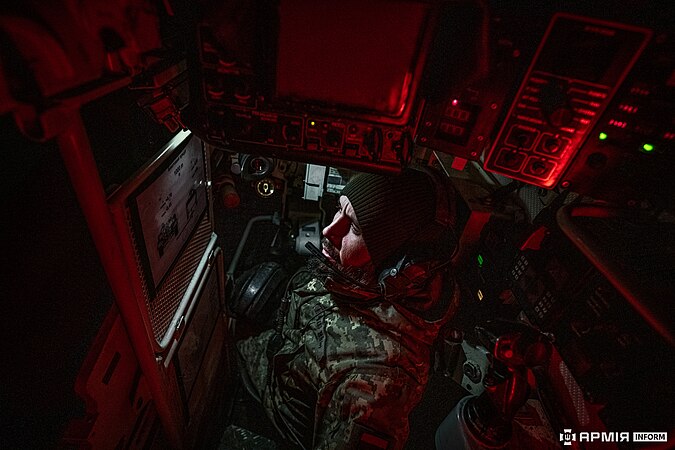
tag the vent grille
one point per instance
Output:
(163, 307)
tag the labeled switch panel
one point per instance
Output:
(577, 69)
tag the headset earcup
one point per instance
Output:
(258, 291)
(430, 249)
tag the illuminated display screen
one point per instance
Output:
(327, 52)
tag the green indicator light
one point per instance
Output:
(648, 147)
(480, 260)
(602, 136)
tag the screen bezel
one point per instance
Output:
(420, 49)
(319, 106)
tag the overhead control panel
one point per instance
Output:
(237, 115)
(327, 83)
(578, 67)
(313, 138)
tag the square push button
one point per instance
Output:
(552, 145)
(538, 167)
(510, 159)
(522, 137)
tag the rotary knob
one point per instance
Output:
(555, 103)
(561, 117)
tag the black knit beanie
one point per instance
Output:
(391, 209)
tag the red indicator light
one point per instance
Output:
(628, 108)
(455, 102)
(617, 123)
(637, 90)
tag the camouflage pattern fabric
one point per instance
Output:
(347, 372)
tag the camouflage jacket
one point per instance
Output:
(348, 374)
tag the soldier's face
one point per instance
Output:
(345, 235)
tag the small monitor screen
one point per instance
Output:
(167, 207)
(355, 54)
(583, 51)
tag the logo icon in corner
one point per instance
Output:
(566, 437)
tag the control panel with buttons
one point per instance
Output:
(235, 113)
(576, 71)
(630, 152)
